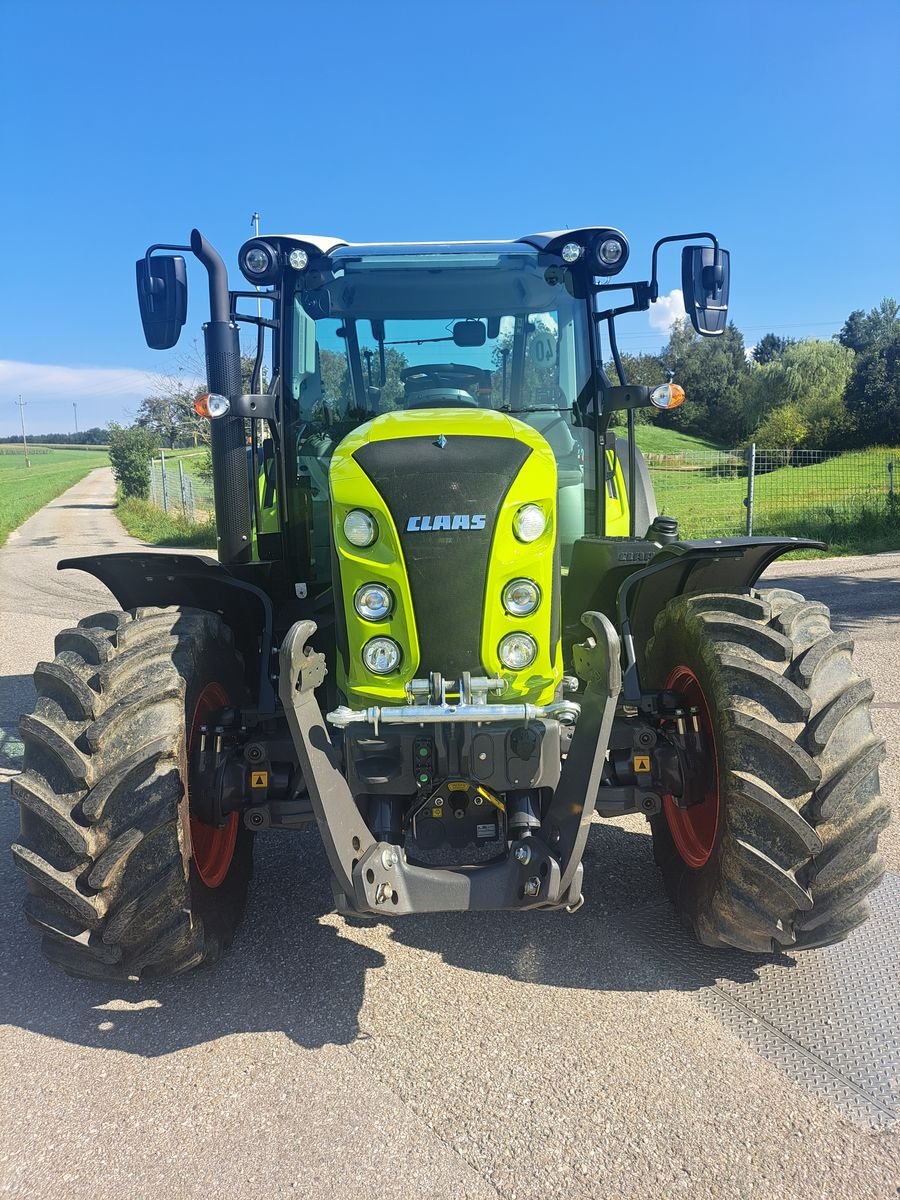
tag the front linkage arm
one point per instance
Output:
(544, 870)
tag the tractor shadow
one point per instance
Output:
(625, 938)
(298, 969)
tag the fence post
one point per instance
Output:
(190, 492)
(892, 497)
(165, 482)
(181, 482)
(751, 478)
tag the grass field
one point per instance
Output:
(844, 501)
(149, 523)
(653, 439)
(23, 490)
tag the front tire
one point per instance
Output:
(780, 847)
(123, 880)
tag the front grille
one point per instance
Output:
(447, 568)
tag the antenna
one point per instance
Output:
(254, 221)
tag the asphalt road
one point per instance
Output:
(448, 1056)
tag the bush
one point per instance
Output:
(130, 451)
(783, 429)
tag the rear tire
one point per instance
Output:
(122, 881)
(790, 854)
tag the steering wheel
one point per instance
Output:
(440, 384)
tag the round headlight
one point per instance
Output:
(360, 528)
(381, 655)
(571, 252)
(521, 597)
(611, 251)
(517, 650)
(257, 261)
(529, 523)
(298, 259)
(373, 602)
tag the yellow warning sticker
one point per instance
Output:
(457, 787)
(641, 762)
(437, 812)
(259, 779)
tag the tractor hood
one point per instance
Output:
(444, 487)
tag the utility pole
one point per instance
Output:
(24, 440)
(254, 221)
(75, 407)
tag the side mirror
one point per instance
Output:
(705, 279)
(162, 296)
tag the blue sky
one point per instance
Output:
(777, 125)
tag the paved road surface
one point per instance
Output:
(447, 1056)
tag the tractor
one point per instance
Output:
(446, 625)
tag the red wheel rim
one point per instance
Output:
(694, 828)
(212, 849)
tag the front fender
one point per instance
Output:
(193, 581)
(711, 565)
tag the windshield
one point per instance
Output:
(500, 331)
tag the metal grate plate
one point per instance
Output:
(830, 1019)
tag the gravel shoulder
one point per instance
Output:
(494, 1055)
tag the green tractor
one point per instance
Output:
(446, 625)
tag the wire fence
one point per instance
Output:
(175, 491)
(713, 493)
(723, 493)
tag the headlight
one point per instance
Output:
(571, 252)
(381, 655)
(517, 650)
(529, 523)
(298, 259)
(360, 528)
(373, 602)
(610, 253)
(257, 261)
(521, 597)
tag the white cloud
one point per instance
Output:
(102, 394)
(666, 311)
(50, 382)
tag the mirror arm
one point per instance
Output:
(150, 249)
(640, 303)
(262, 322)
(675, 237)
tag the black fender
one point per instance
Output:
(711, 565)
(194, 581)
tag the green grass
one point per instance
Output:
(843, 501)
(150, 524)
(23, 490)
(653, 439)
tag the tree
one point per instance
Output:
(770, 347)
(169, 411)
(811, 377)
(130, 450)
(863, 330)
(873, 392)
(712, 372)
